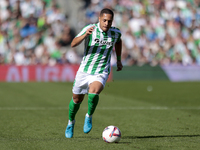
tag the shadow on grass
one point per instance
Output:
(87, 137)
(157, 136)
(136, 137)
(99, 138)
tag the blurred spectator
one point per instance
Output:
(33, 32)
(86, 3)
(155, 32)
(67, 36)
(28, 29)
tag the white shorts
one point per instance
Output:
(83, 80)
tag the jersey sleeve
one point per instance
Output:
(119, 34)
(84, 30)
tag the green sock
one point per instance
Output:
(92, 102)
(73, 108)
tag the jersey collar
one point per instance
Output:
(98, 24)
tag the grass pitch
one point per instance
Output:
(152, 115)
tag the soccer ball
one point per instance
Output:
(111, 134)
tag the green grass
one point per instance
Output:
(33, 116)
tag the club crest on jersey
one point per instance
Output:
(102, 42)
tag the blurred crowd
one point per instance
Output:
(34, 32)
(155, 32)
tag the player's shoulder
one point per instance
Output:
(115, 29)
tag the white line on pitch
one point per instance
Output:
(102, 108)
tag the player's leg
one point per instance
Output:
(95, 89)
(80, 88)
(74, 106)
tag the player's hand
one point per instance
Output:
(119, 65)
(90, 30)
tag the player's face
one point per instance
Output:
(105, 21)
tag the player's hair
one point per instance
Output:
(106, 11)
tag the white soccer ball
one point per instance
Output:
(111, 134)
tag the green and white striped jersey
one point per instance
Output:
(98, 49)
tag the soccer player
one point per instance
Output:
(91, 77)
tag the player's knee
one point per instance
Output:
(95, 91)
(78, 99)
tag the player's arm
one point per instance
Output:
(77, 40)
(118, 50)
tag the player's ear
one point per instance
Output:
(99, 19)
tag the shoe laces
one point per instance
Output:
(89, 120)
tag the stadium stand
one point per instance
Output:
(34, 32)
(155, 32)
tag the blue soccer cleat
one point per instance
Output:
(88, 124)
(69, 132)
